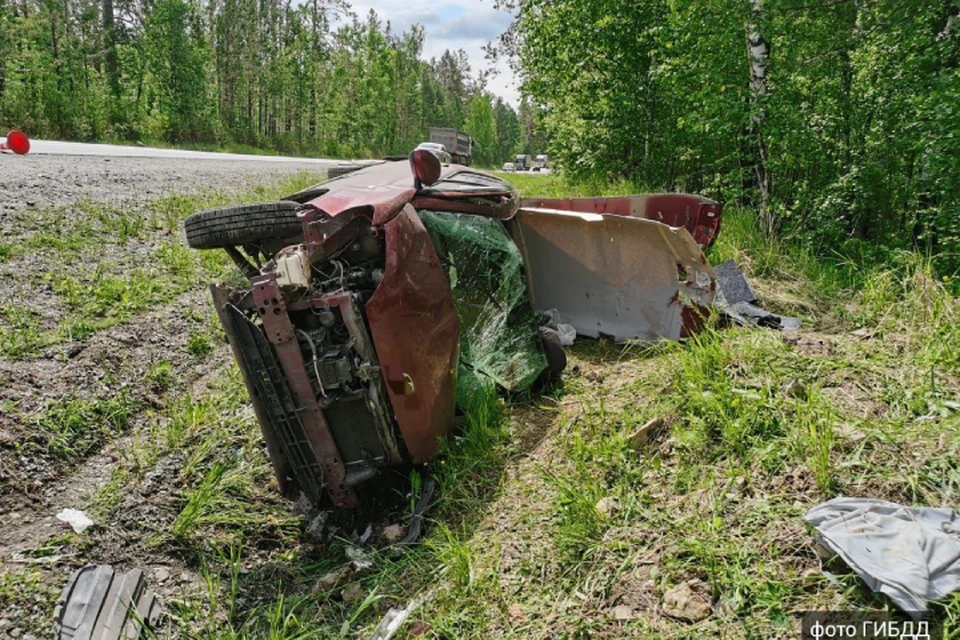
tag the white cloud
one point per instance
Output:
(453, 24)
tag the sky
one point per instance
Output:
(452, 24)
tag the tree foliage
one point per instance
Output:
(307, 77)
(857, 123)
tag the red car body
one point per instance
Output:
(356, 371)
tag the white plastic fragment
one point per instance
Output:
(77, 519)
(394, 618)
(566, 332)
(359, 559)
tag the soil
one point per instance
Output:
(34, 483)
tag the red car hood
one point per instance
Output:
(385, 187)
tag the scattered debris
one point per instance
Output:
(98, 603)
(77, 519)
(910, 554)
(746, 314)
(684, 602)
(641, 437)
(332, 580)
(392, 533)
(736, 300)
(566, 333)
(733, 284)
(607, 506)
(366, 534)
(317, 524)
(394, 618)
(352, 593)
(359, 559)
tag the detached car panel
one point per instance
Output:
(615, 276)
(700, 216)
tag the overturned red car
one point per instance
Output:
(379, 301)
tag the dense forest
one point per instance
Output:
(839, 119)
(836, 118)
(306, 77)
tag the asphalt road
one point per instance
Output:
(63, 173)
(56, 147)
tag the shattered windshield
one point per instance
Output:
(498, 327)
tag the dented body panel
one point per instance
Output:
(612, 275)
(417, 334)
(699, 215)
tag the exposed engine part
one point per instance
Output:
(293, 268)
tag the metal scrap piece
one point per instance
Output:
(736, 300)
(98, 603)
(623, 277)
(732, 284)
(746, 314)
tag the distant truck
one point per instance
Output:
(522, 162)
(543, 163)
(458, 144)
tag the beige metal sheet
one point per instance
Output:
(626, 278)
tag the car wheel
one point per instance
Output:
(242, 224)
(343, 169)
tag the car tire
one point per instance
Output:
(343, 169)
(242, 224)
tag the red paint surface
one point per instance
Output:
(701, 216)
(416, 332)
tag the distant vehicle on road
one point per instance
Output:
(509, 166)
(457, 143)
(542, 163)
(438, 150)
(522, 162)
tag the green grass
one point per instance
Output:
(73, 427)
(97, 270)
(549, 516)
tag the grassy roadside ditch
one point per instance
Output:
(553, 521)
(93, 266)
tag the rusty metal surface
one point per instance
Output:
(385, 188)
(612, 275)
(377, 392)
(699, 215)
(416, 332)
(280, 332)
(281, 467)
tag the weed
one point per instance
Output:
(161, 376)
(72, 427)
(199, 344)
(198, 502)
(20, 333)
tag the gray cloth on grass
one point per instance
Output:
(912, 555)
(736, 299)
